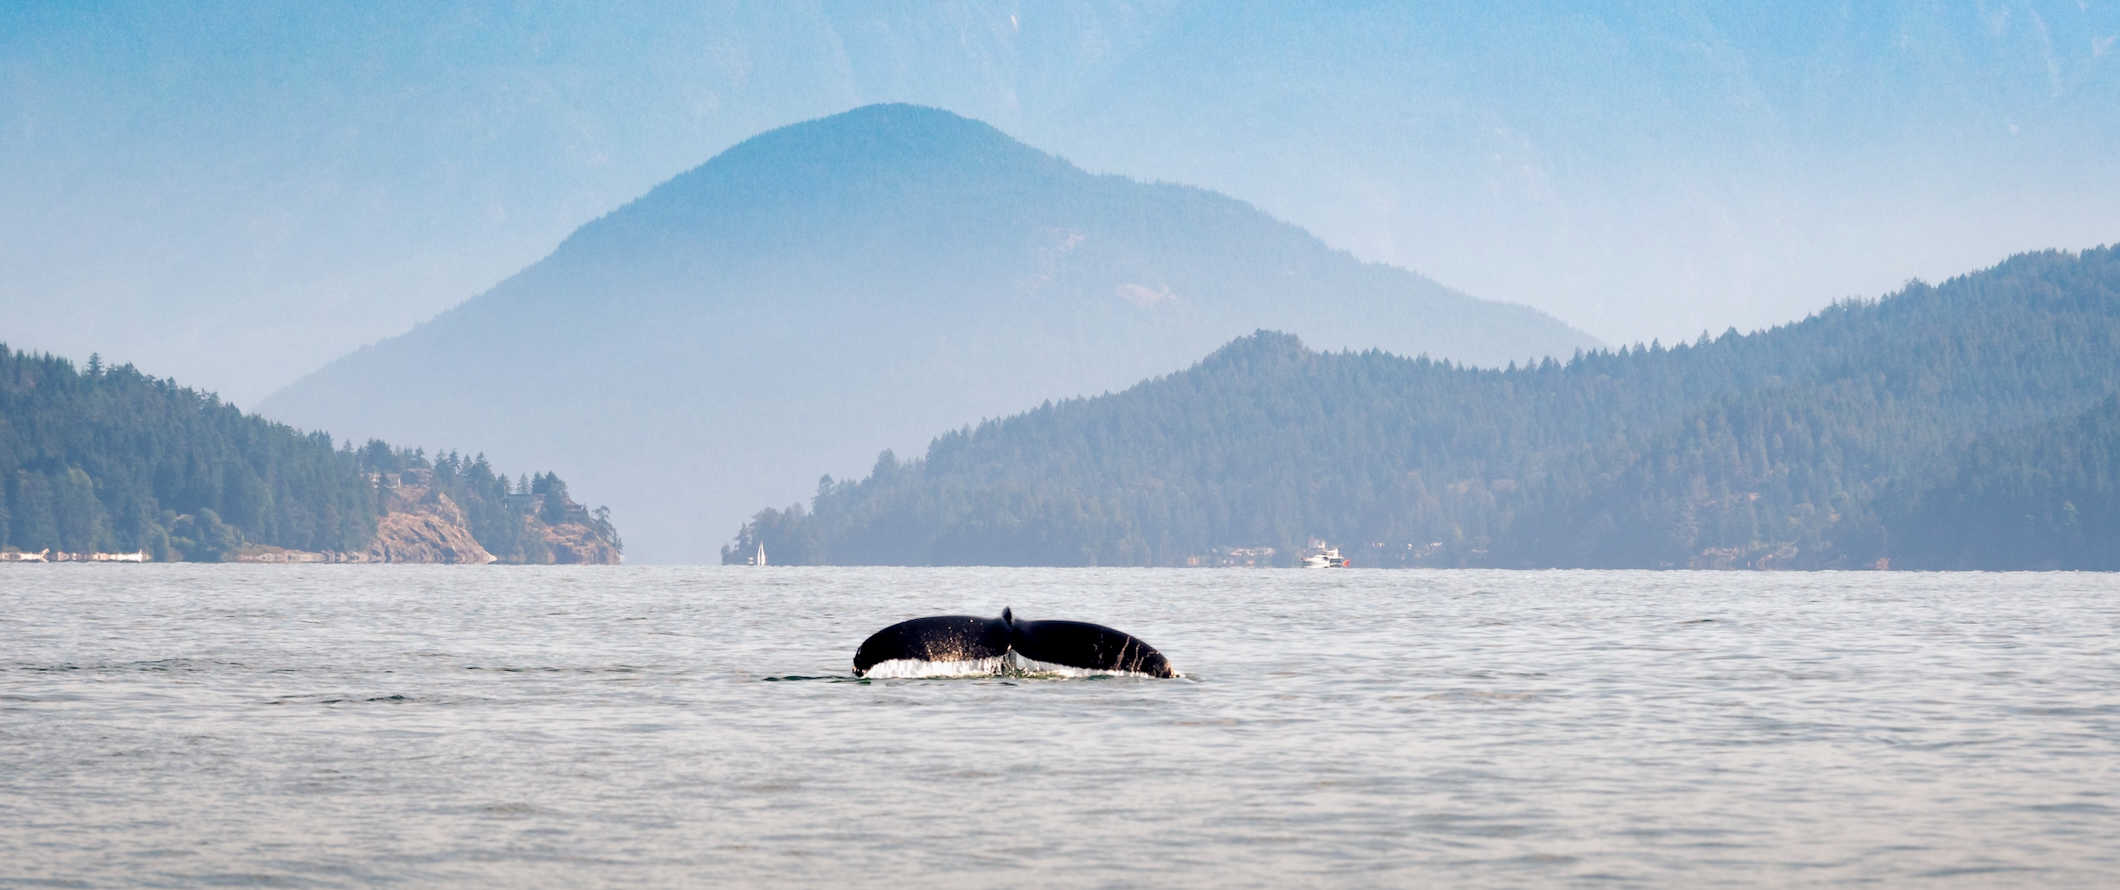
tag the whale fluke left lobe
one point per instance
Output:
(937, 638)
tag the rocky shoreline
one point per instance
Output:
(420, 525)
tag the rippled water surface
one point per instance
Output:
(351, 725)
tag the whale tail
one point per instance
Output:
(961, 638)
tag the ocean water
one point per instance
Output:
(357, 725)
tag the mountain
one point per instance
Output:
(853, 283)
(1792, 447)
(1647, 168)
(110, 460)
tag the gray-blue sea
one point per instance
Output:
(318, 726)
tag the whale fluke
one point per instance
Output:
(1076, 644)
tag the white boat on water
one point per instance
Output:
(759, 558)
(1325, 558)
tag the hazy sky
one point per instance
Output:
(235, 193)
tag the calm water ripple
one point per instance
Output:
(356, 725)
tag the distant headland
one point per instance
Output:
(107, 464)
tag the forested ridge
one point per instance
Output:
(108, 459)
(1849, 439)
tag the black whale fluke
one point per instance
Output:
(1077, 644)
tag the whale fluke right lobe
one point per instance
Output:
(1090, 646)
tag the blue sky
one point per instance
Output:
(235, 193)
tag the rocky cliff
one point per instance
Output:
(575, 543)
(422, 524)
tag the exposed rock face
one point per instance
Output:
(437, 534)
(425, 526)
(573, 543)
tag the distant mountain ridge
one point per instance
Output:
(831, 288)
(1967, 425)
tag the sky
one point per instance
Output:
(234, 193)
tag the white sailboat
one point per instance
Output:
(759, 559)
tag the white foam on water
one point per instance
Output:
(922, 669)
(1011, 665)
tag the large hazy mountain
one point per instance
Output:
(837, 287)
(234, 192)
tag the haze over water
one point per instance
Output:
(331, 726)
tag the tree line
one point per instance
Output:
(110, 459)
(1870, 433)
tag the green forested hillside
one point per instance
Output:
(2047, 497)
(1771, 449)
(110, 459)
